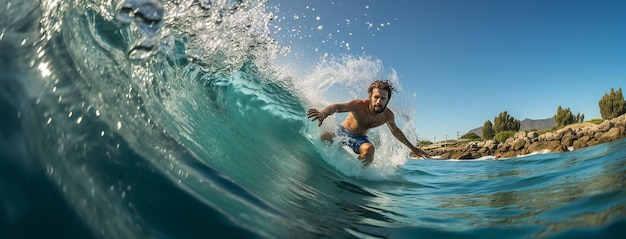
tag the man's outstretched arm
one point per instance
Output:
(400, 136)
(314, 114)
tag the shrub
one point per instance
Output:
(470, 136)
(502, 136)
(423, 143)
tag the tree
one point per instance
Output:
(564, 117)
(579, 118)
(612, 104)
(488, 131)
(505, 122)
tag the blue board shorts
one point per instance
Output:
(352, 140)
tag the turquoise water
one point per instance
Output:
(173, 123)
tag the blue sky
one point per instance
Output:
(466, 61)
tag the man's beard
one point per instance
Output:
(382, 109)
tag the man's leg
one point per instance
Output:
(367, 154)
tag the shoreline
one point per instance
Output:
(569, 138)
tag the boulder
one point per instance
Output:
(518, 144)
(568, 139)
(581, 142)
(621, 120)
(556, 146)
(605, 126)
(520, 135)
(552, 146)
(491, 145)
(462, 155)
(507, 154)
(610, 135)
(592, 141)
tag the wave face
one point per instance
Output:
(149, 119)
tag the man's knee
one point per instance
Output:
(367, 149)
(367, 154)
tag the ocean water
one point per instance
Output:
(148, 119)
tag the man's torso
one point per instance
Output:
(362, 119)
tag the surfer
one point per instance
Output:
(363, 115)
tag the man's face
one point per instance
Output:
(378, 100)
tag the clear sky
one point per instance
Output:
(468, 60)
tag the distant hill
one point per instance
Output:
(526, 124)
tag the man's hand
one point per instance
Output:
(316, 115)
(421, 153)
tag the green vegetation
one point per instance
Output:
(470, 137)
(505, 122)
(564, 117)
(502, 136)
(423, 143)
(540, 132)
(612, 104)
(596, 121)
(488, 131)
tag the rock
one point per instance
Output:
(509, 140)
(518, 144)
(605, 126)
(568, 139)
(503, 148)
(552, 146)
(536, 146)
(446, 155)
(597, 135)
(520, 135)
(621, 120)
(592, 142)
(491, 145)
(508, 154)
(462, 155)
(484, 151)
(581, 142)
(556, 146)
(611, 135)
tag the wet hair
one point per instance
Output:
(382, 85)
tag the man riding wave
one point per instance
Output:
(364, 114)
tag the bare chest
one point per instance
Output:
(367, 121)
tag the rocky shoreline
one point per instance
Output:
(571, 137)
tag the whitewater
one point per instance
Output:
(150, 119)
